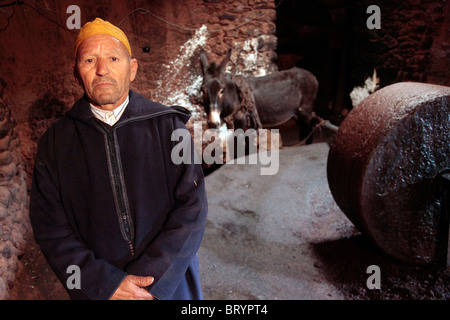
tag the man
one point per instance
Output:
(106, 197)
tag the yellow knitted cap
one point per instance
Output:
(99, 26)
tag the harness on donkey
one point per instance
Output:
(246, 113)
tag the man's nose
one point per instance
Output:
(102, 67)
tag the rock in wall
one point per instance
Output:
(15, 228)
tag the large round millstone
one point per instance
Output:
(384, 167)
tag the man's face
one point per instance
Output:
(104, 70)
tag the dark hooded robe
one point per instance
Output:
(110, 201)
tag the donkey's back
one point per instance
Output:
(280, 95)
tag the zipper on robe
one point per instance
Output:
(116, 174)
(118, 185)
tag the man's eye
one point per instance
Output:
(114, 59)
(89, 60)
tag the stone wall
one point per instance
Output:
(331, 39)
(246, 27)
(406, 46)
(15, 228)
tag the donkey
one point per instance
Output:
(278, 97)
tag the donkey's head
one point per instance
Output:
(219, 92)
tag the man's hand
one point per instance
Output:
(131, 289)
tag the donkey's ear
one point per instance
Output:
(225, 61)
(229, 53)
(204, 62)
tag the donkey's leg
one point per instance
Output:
(306, 123)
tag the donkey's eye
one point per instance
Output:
(221, 93)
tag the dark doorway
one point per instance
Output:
(319, 35)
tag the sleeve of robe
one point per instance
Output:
(168, 256)
(54, 234)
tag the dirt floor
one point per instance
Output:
(35, 279)
(399, 281)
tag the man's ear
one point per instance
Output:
(76, 74)
(134, 69)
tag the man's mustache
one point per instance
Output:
(104, 80)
